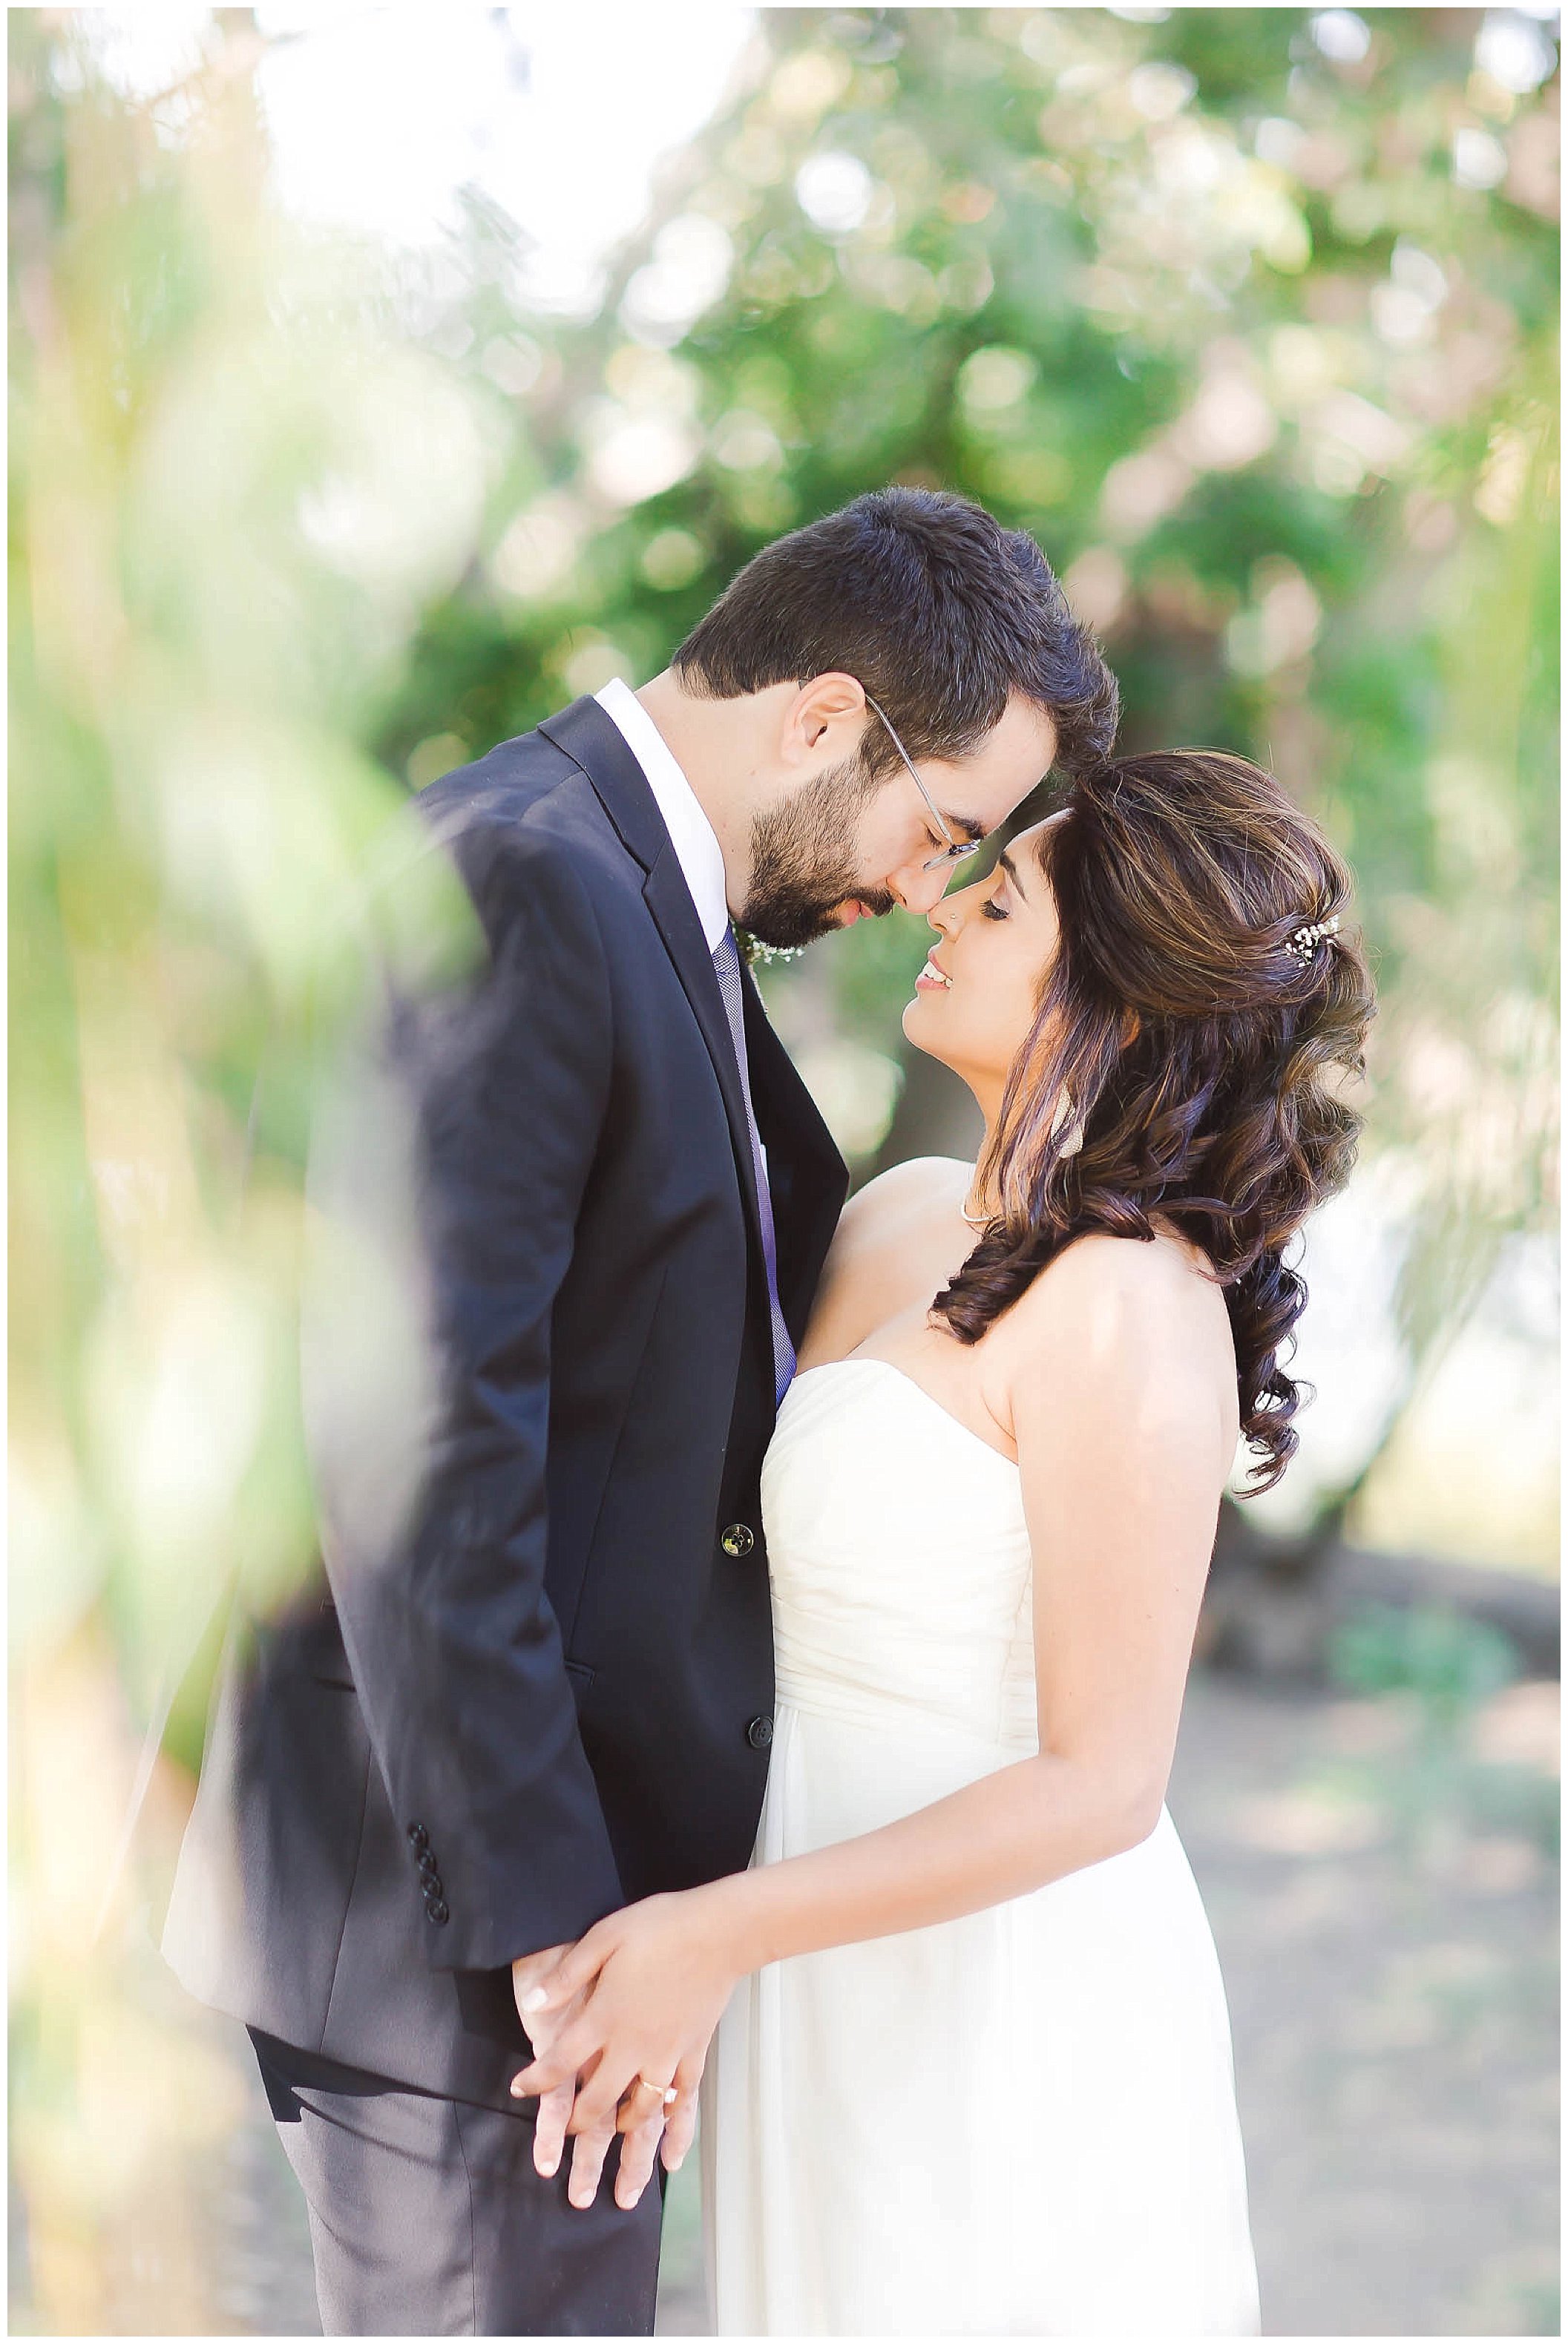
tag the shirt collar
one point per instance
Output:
(692, 834)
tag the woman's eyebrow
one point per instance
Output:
(1011, 868)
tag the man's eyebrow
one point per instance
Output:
(1011, 868)
(966, 823)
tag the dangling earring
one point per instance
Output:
(1075, 1138)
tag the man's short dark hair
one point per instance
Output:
(933, 606)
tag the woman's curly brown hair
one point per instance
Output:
(1195, 1055)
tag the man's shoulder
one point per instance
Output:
(514, 783)
(525, 813)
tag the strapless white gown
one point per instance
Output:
(1021, 2123)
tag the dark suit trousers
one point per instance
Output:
(427, 2217)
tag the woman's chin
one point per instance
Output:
(922, 1029)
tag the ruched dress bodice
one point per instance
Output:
(1020, 2122)
(899, 1610)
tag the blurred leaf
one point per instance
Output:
(1450, 1663)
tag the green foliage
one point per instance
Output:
(1209, 311)
(1449, 1662)
(1435, 1671)
(220, 535)
(1218, 318)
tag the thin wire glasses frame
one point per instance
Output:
(957, 850)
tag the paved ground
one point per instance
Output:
(1385, 1915)
(1384, 1908)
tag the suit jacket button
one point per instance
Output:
(738, 1538)
(426, 1864)
(436, 1907)
(760, 1733)
(418, 1837)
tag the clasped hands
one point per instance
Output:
(632, 2005)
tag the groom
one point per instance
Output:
(535, 1680)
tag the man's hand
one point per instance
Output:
(632, 2009)
(664, 2135)
(644, 2129)
(544, 2025)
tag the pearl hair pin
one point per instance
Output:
(1304, 943)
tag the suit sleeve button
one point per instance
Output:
(418, 1837)
(760, 1733)
(738, 1538)
(436, 1907)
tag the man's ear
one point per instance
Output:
(821, 704)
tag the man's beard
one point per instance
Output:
(802, 861)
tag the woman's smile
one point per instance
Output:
(994, 944)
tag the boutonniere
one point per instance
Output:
(756, 955)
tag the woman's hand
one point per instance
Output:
(650, 1983)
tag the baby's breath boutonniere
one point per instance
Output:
(756, 955)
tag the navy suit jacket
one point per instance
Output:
(535, 1678)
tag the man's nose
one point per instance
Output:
(918, 890)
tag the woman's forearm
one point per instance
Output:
(998, 1838)
(657, 1973)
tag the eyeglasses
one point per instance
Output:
(957, 850)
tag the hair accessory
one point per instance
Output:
(1306, 940)
(1074, 1135)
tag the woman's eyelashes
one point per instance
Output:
(992, 909)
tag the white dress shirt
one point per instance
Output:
(692, 834)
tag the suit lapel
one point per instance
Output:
(669, 899)
(596, 743)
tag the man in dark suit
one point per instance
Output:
(574, 1204)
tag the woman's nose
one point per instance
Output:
(947, 912)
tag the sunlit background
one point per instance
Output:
(384, 378)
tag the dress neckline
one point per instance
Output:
(825, 1367)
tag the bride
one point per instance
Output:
(973, 2071)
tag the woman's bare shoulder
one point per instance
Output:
(920, 1184)
(893, 1248)
(1131, 1309)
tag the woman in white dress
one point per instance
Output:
(974, 2069)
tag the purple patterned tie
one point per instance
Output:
(727, 969)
